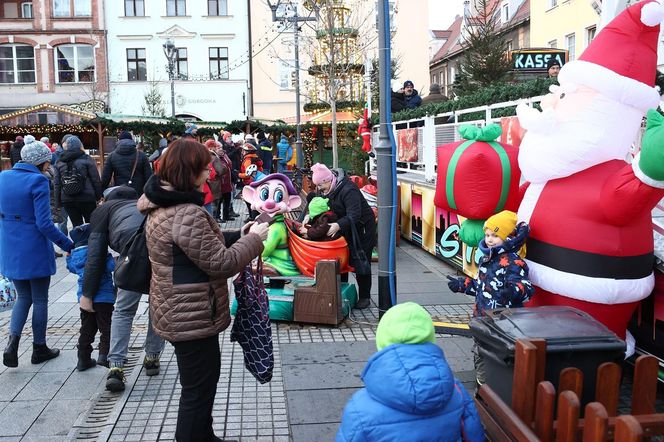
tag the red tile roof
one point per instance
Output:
(453, 43)
(521, 14)
(441, 34)
(452, 40)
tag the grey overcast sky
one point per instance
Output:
(442, 12)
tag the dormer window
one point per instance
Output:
(505, 13)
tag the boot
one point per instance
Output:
(10, 356)
(363, 303)
(85, 362)
(102, 360)
(41, 353)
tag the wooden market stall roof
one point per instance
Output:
(16, 115)
(325, 118)
(122, 118)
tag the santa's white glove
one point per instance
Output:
(532, 119)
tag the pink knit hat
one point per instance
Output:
(321, 174)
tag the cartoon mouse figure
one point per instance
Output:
(275, 195)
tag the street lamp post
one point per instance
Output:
(170, 52)
(295, 19)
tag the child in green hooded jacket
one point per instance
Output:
(320, 218)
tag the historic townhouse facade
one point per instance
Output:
(52, 51)
(514, 20)
(211, 40)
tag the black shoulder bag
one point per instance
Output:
(133, 270)
(358, 258)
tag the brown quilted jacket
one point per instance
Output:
(191, 263)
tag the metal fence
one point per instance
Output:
(436, 130)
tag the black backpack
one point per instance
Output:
(133, 269)
(73, 182)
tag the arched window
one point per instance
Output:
(17, 64)
(75, 63)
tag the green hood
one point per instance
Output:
(318, 205)
(406, 323)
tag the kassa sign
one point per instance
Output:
(536, 60)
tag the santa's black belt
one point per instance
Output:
(589, 264)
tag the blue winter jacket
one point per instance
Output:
(26, 226)
(410, 395)
(76, 264)
(284, 151)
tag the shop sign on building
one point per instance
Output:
(536, 59)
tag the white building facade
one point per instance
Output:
(212, 64)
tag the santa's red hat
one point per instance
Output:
(622, 60)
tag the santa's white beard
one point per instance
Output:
(556, 149)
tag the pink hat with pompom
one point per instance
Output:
(321, 174)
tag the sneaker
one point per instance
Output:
(363, 303)
(115, 381)
(151, 366)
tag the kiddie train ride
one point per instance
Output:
(587, 197)
(303, 277)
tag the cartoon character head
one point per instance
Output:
(273, 194)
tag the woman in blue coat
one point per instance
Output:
(410, 392)
(26, 250)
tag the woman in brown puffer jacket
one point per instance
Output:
(191, 262)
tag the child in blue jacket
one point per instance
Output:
(102, 302)
(410, 391)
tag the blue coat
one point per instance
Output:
(410, 395)
(26, 226)
(76, 264)
(284, 151)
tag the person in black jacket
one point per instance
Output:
(126, 165)
(113, 224)
(15, 150)
(406, 97)
(350, 207)
(265, 152)
(80, 205)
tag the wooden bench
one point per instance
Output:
(535, 416)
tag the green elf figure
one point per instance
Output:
(275, 195)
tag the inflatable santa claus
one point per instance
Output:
(589, 209)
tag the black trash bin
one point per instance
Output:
(573, 339)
